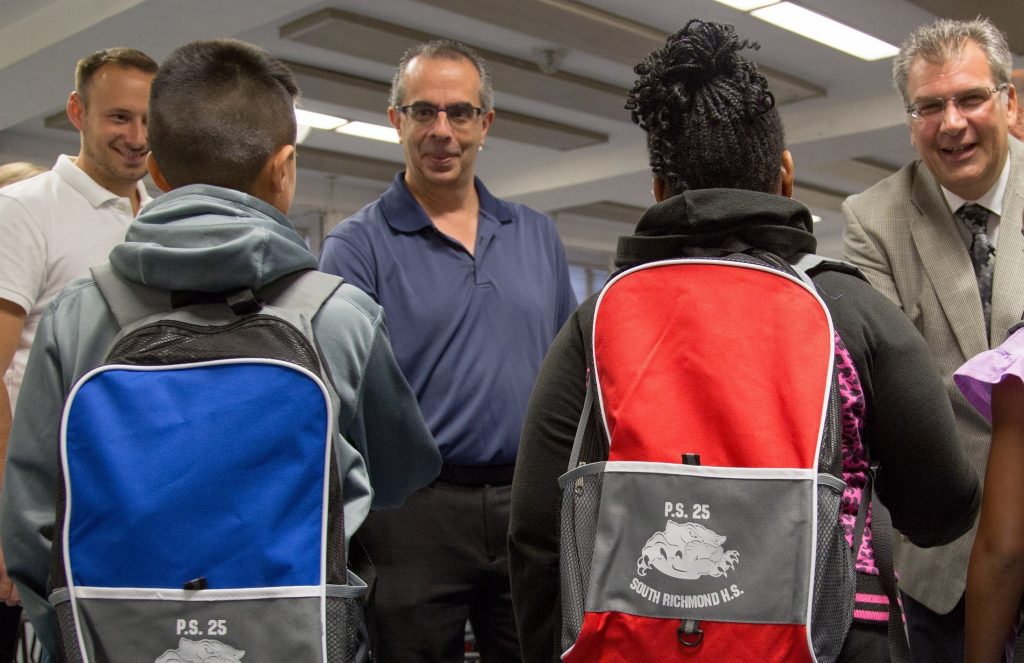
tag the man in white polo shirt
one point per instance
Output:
(59, 223)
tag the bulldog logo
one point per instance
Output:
(687, 551)
(204, 651)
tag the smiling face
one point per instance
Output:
(964, 149)
(438, 154)
(111, 116)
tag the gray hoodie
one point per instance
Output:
(207, 239)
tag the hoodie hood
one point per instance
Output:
(210, 239)
(731, 219)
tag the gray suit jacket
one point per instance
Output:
(903, 236)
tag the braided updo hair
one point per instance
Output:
(709, 116)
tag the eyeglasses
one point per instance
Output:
(966, 102)
(458, 114)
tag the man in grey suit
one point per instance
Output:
(939, 264)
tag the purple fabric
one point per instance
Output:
(976, 377)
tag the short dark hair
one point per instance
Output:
(447, 50)
(710, 118)
(129, 58)
(218, 110)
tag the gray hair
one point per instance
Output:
(447, 50)
(938, 42)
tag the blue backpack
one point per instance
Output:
(200, 516)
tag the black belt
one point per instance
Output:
(476, 475)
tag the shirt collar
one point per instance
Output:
(992, 200)
(94, 193)
(404, 213)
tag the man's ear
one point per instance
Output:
(75, 109)
(658, 189)
(1012, 105)
(280, 170)
(395, 118)
(158, 176)
(275, 184)
(487, 122)
(787, 174)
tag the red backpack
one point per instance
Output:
(707, 528)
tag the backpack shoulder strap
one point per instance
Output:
(128, 301)
(581, 428)
(304, 292)
(881, 541)
(812, 264)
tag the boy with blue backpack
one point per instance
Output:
(214, 417)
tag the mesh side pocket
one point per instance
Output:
(342, 632)
(68, 636)
(834, 580)
(347, 640)
(578, 527)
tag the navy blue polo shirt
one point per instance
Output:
(469, 331)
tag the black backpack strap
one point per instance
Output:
(581, 428)
(128, 301)
(813, 264)
(881, 542)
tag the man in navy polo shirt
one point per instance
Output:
(475, 289)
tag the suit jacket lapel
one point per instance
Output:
(1008, 279)
(947, 264)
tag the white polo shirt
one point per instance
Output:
(53, 227)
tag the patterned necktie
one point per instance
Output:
(975, 217)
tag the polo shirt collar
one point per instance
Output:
(404, 214)
(94, 193)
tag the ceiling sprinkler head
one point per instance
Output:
(549, 59)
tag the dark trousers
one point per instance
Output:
(10, 628)
(866, 643)
(934, 638)
(441, 560)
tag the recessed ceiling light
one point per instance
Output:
(826, 31)
(371, 131)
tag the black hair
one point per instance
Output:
(218, 110)
(710, 118)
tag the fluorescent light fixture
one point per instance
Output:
(824, 30)
(371, 131)
(302, 133)
(308, 120)
(318, 120)
(747, 5)
(815, 218)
